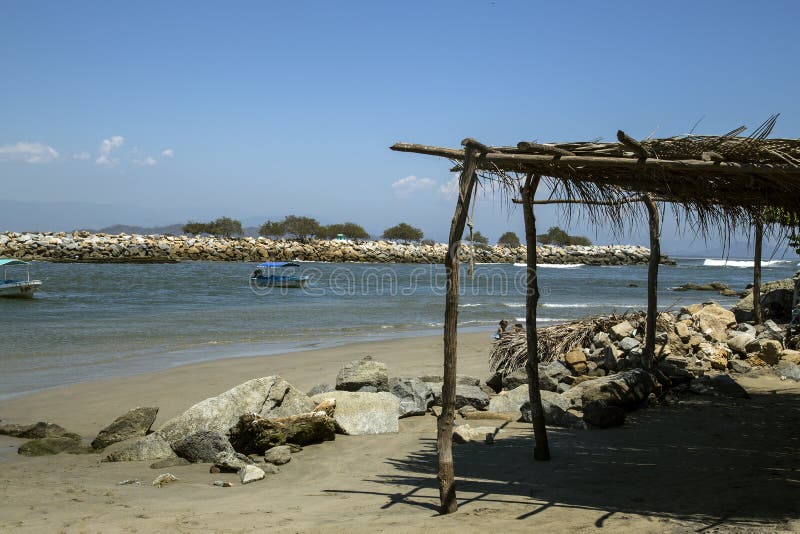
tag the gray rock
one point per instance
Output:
(776, 301)
(415, 395)
(739, 366)
(623, 329)
(602, 415)
(38, 430)
(461, 380)
(628, 343)
(788, 370)
(218, 414)
(515, 379)
(509, 401)
(135, 423)
(739, 341)
(551, 374)
(321, 388)
(364, 413)
(279, 455)
(231, 462)
(203, 446)
(69, 443)
(365, 372)
(746, 328)
(251, 473)
(150, 447)
(495, 382)
(465, 396)
(676, 374)
(771, 331)
(556, 411)
(623, 389)
(602, 340)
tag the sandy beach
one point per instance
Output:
(706, 464)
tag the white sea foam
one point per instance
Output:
(469, 305)
(540, 320)
(553, 265)
(709, 262)
(549, 305)
(514, 304)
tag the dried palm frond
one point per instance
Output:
(510, 352)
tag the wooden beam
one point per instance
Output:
(541, 449)
(576, 201)
(527, 146)
(444, 433)
(519, 162)
(759, 237)
(632, 144)
(652, 283)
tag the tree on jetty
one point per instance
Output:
(272, 229)
(557, 236)
(403, 232)
(301, 228)
(509, 239)
(223, 226)
(350, 230)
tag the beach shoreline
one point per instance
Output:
(663, 471)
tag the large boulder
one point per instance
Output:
(269, 396)
(203, 446)
(738, 342)
(712, 320)
(514, 379)
(150, 447)
(509, 401)
(282, 454)
(602, 415)
(415, 395)
(551, 374)
(38, 430)
(467, 434)
(465, 396)
(623, 389)
(231, 462)
(776, 301)
(134, 423)
(360, 413)
(557, 411)
(363, 373)
(253, 434)
(49, 446)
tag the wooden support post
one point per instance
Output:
(541, 449)
(444, 434)
(652, 283)
(757, 312)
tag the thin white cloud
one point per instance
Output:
(81, 156)
(449, 190)
(28, 152)
(149, 161)
(168, 153)
(408, 186)
(107, 147)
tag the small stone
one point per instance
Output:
(223, 484)
(130, 482)
(251, 473)
(279, 455)
(169, 462)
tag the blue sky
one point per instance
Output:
(261, 109)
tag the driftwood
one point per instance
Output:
(254, 434)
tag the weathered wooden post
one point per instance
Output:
(652, 282)
(759, 231)
(444, 435)
(541, 449)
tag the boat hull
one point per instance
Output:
(19, 290)
(280, 281)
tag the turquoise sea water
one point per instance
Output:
(92, 321)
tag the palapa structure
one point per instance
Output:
(712, 182)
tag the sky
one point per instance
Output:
(161, 112)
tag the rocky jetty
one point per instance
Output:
(125, 248)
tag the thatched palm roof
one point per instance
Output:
(727, 177)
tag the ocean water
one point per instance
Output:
(92, 321)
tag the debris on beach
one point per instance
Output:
(251, 473)
(130, 482)
(164, 479)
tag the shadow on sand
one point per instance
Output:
(711, 462)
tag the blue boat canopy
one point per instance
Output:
(271, 264)
(11, 261)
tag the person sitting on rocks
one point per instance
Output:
(501, 329)
(518, 328)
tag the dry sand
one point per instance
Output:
(707, 464)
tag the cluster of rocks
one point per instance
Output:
(85, 246)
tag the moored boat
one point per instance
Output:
(277, 274)
(16, 288)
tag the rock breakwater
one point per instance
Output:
(90, 247)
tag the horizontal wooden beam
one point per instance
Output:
(540, 163)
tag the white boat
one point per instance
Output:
(274, 274)
(14, 288)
